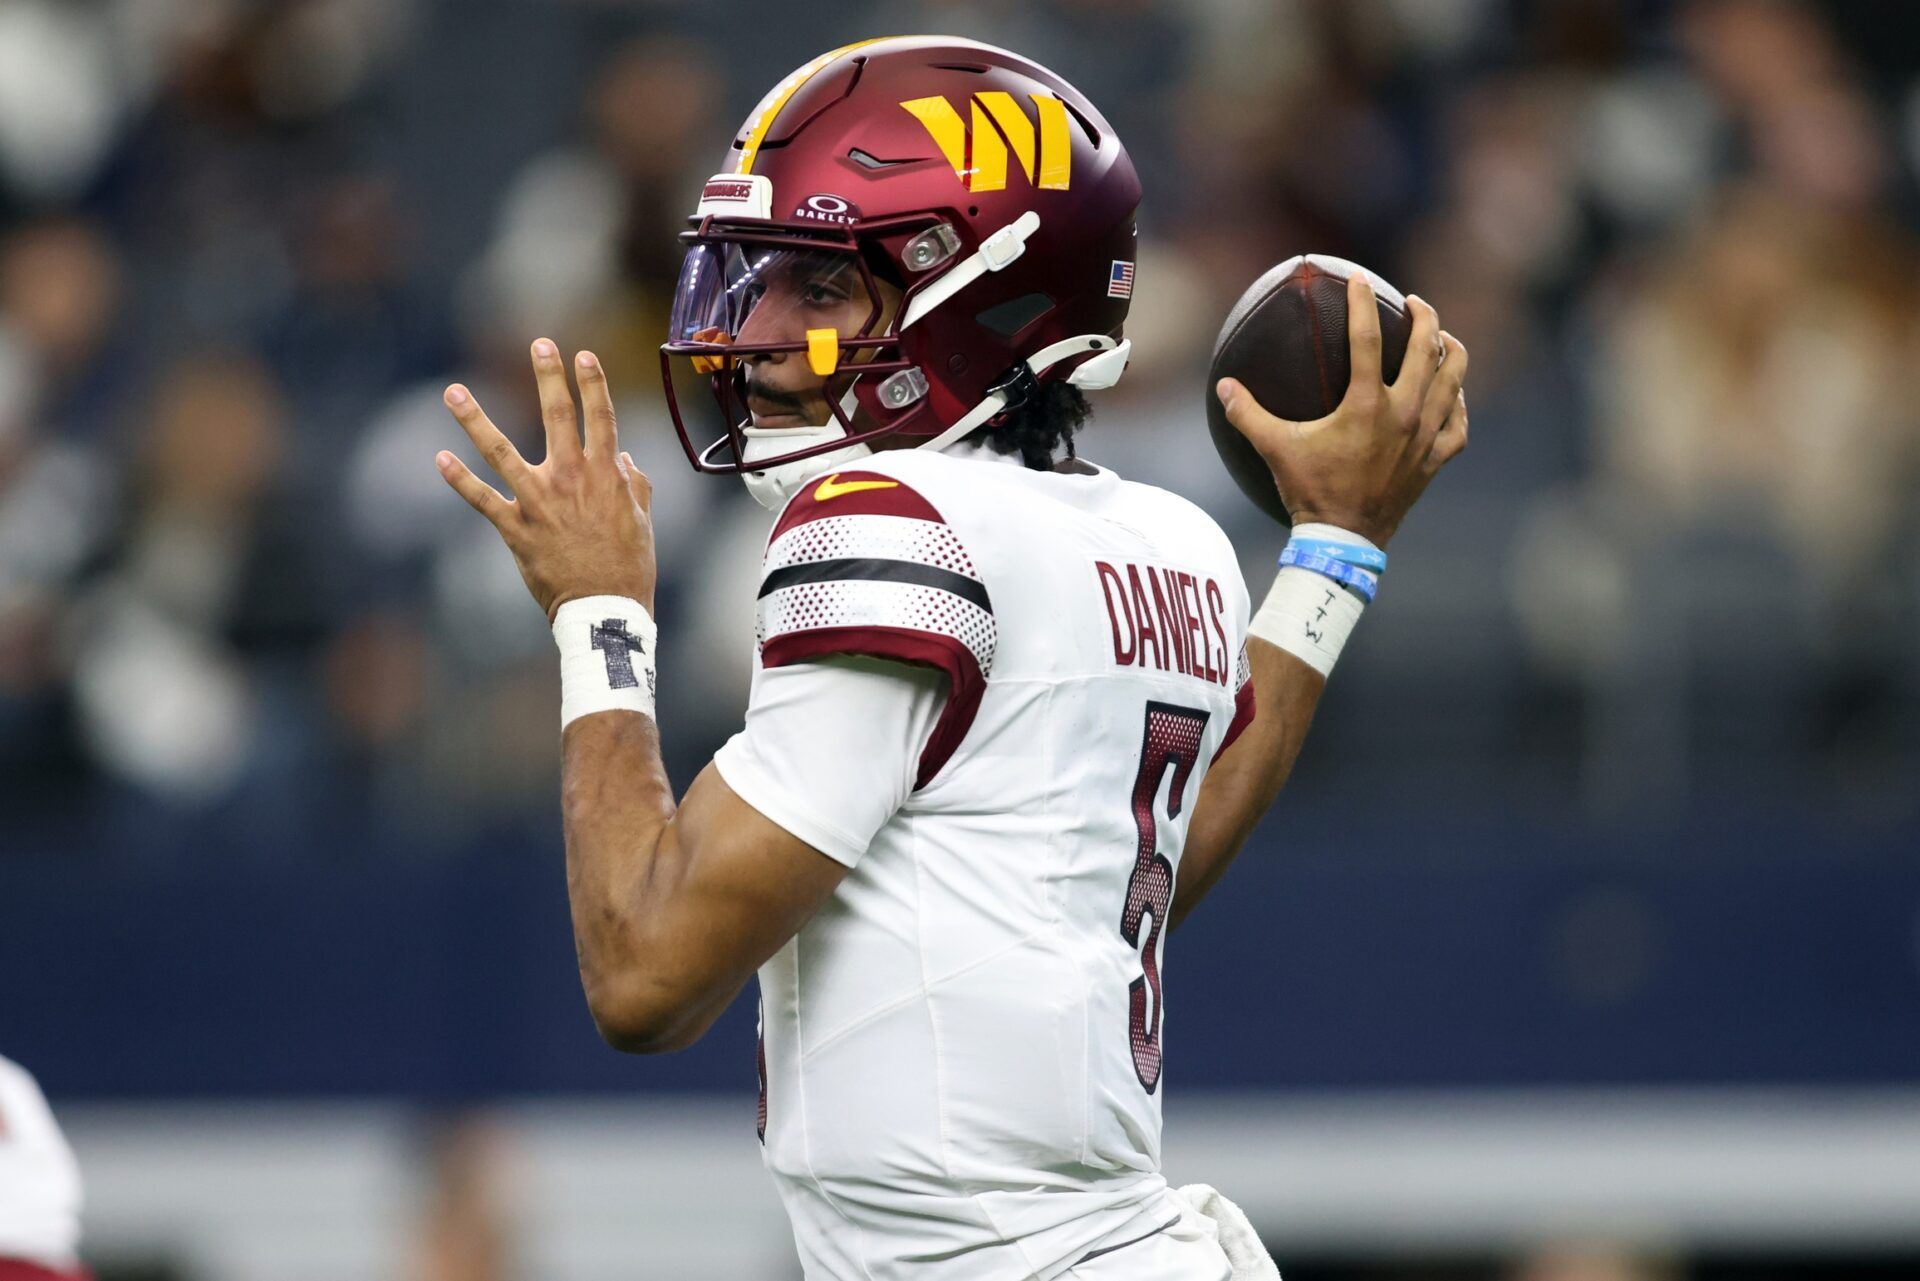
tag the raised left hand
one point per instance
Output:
(579, 523)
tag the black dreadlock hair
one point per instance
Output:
(1036, 428)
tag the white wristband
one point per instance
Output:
(1307, 615)
(1334, 534)
(606, 656)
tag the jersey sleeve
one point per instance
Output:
(1243, 705)
(863, 564)
(831, 748)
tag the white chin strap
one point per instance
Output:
(774, 486)
(996, 253)
(1095, 374)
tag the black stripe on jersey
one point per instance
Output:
(872, 569)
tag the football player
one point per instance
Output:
(1011, 715)
(39, 1186)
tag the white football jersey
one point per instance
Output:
(962, 1063)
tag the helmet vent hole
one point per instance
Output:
(1093, 135)
(867, 160)
(977, 68)
(1009, 318)
(973, 211)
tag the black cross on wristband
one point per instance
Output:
(619, 645)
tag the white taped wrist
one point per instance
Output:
(1307, 615)
(606, 656)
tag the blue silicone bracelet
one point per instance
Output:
(1365, 583)
(1369, 558)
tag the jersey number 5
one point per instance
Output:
(1171, 739)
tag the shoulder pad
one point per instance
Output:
(861, 563)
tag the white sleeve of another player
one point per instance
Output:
(39, 1181)
(832, 747)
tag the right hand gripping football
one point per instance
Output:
(1363, 466)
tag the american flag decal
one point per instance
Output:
(1120, 280)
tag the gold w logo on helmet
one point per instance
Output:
(999, 125)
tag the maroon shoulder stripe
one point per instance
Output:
(965, 684)
(854, 493)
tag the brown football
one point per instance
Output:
(1286, 341)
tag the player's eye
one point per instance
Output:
(819, 293)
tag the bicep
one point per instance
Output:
(768, 831)
(748, 884)
(724, 890)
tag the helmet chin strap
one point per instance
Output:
(1099, 372)
(996, 253)
(772, 487)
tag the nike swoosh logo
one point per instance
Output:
(832, 488)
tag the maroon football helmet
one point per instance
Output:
(986, 193)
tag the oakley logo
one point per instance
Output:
(999, 125)
(826, 208)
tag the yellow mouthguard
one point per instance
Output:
(711, 364)
(823, 350)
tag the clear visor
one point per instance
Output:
(760, 295)
(743, 296)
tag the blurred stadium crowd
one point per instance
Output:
(244, 245)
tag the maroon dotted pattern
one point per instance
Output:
(879, 537)
(872, 603)
(1171, 738)
(760, 1069)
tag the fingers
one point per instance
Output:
(488, 439)
(1452, 437)
(1363, 335)
(1242, 410)
(1444, 390)
(1424, 352)
(637, 483)
(481, 496)
(556, 402)
(603, 437)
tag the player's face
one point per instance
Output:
(794, 293)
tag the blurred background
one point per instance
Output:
(1584, 946)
